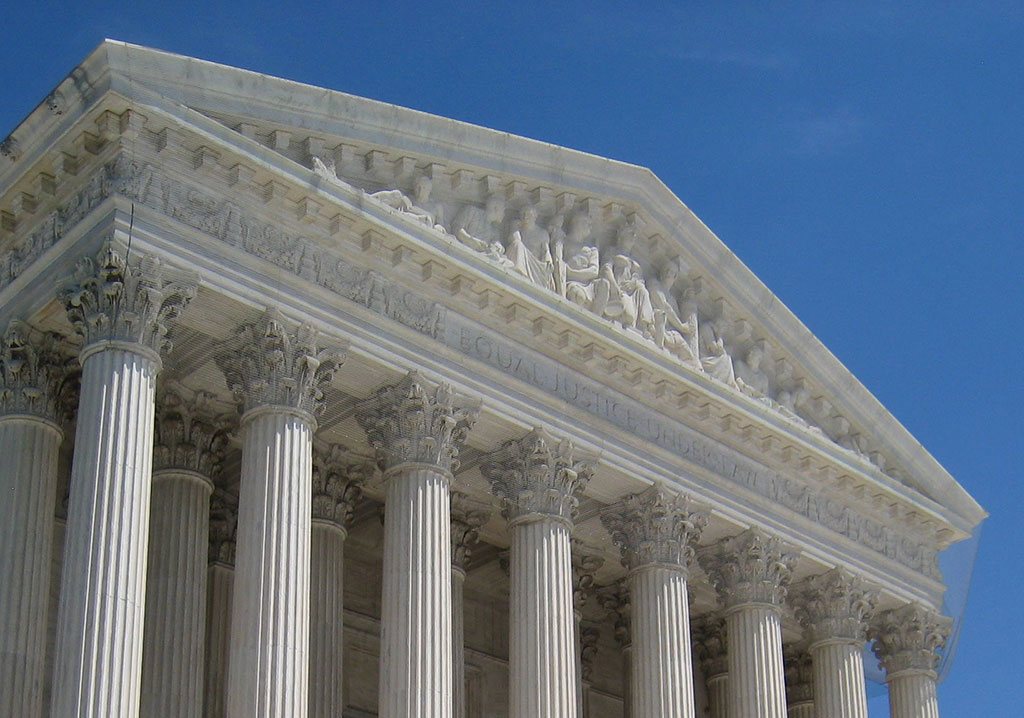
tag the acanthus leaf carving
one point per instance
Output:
(710, 644)
(467, 516)
(799, 672)
(654, 527)
(33, 371)
(910, 637)
(589, 634)
(223, 527)
(585, 562)
(416, 421)
(189, 433)
(833, 605)
(751, 567)
(537, 475)
(338, 477)
(266, 364)
(109, 300)
(615, 599)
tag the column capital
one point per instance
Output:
(590, 632)
(32, 371)
(267, 364)
(108, 300)
(799, 670)
(710, 644)
(537, 475)
(467, 516)
(655, 527)
(584, 563)
(223, 527)
(189, 433)
(909, 638)
(417, 421)
(751, 567)
(615, 599)
(338, 478)
(835, 605)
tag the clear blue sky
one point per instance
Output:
(864, 159)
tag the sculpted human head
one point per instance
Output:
(422, 187)
(528, 216)
(495, 209)
(668, 273)
(754, 356)
(580, 226)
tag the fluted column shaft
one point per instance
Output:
(268, 672)
(912, 694)
(662, 665)
(28, 484)
(175, 626)
(99, 636)
(718, 696)
(757, 687)
(542, 647)
(458, 643)
(220, 590)
(416, 604)
(327, 620)
(839, 688)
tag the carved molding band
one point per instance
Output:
(32, 371)
(188, 434)
(338, 477)
(108, 300)
(537, 475)
(416, 421)
(654, 527)
(834, 606)
(751, 567)
(268, 365)
(909, 638)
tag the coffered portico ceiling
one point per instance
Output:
(562, 289)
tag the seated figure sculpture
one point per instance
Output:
(577, 263)
(479, 228)
(529, 250)
(671, 331)
(714, 358)
(620, 293)
(752, 378)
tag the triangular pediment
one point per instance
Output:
(715, 326)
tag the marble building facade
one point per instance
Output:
(316, 406)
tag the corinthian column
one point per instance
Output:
(190, 443)
(220, 590)
(278, 378)
(467, 518)
(337, 478)
(834, 609)
(657, 533)
(750, 572)
(121, 313)
(907, 642)
(800, 684)
(417, 428)
(538, 479)
(31, 374)
(710, 644)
